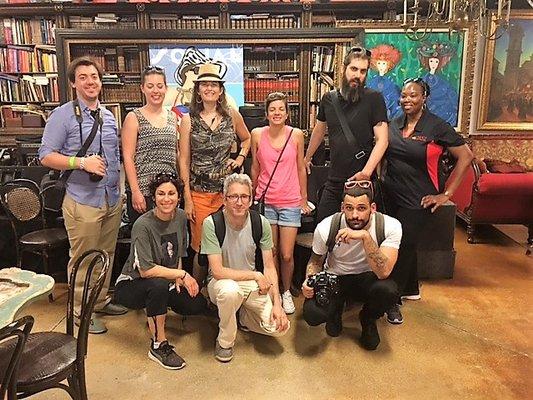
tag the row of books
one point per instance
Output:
(39, 58)
(122, 93)
(257, 89)
(103, 21)
(173, 21)
(273, 61)
(264, 21)
(319, 85)
(29, 88)
(118, 58)
(322, 59)
(27, 31)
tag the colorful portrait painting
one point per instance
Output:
(507, 87)
(181, 64)
(438, 59)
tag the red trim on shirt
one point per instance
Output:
(433, 153)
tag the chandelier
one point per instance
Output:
(420, 16)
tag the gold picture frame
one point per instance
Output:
(505, 100)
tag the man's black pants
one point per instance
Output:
(377, 295)
(153, 294)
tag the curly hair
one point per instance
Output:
(164, 177)
(385, 52)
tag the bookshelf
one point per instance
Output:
(292, 47)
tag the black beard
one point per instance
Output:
(351, 94)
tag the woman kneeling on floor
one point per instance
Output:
(153, 274)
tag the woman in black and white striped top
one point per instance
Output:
(149, 142)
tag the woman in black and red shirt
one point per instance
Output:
(414, 181)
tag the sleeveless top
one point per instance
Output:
(210, 152)
(156, 149)
(284, 190)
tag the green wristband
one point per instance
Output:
(72, 162)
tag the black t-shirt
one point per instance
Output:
(413, 163)
(361, 118)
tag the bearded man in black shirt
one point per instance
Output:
(352, 157)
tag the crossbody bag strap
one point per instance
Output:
(87, 143)
(350, 137)
(276, 166)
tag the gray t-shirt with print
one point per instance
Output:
(155, 242)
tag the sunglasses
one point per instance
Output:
(358, 49)
(362, 184)
(418, 81)
(150, 68)
(170, 175)
(276, 96)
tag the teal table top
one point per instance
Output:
(18, 288)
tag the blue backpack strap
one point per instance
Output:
(333, 229)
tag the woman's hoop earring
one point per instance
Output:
(219, 101)
(199, 99)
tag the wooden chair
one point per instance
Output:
(53, 357)
(12, 340)
(25, 206)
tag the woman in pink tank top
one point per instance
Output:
(286, 196)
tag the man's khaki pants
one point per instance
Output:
(229, 295)
(90, 228)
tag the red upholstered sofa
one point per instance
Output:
(494, 198)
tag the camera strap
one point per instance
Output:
(336, 224)
(98, 122)
(348, 134)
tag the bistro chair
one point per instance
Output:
(12, 340)
(53, 357)
(25, 206)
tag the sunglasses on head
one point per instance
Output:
(276, 95)
(150, 68)
(358, 49)
(170, 175)
(362, 184)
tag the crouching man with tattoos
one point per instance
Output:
(360, 247)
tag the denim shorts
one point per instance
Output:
(283, 216)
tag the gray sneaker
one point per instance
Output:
(166, 356)
(96, 325)
(394, 315)
(222, 354)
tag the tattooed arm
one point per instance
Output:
(381, 259)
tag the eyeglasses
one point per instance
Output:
(233, 198)
(358, 49)
(209, 84)
(362, 184)
(150, 68)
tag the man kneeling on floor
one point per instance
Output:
(360, 247)
(238, 283)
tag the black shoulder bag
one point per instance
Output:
(259, 205)
(61, 182)
(352, 141)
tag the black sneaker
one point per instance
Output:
(369, 332)
(394, 315)
(166, 356)
(334, 325)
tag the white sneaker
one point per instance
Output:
(288, 304)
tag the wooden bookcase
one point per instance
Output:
(293, 47)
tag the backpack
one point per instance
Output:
(336, 224)
(220, 231)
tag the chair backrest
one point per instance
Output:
(22, 201)
(97, 262)
(12, 340)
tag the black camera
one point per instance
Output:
(95, 177)
(325, 285)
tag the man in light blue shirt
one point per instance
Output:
(91, 206)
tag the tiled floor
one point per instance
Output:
(468, 338)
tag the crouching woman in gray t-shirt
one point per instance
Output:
(153, 274)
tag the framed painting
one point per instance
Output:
(506, 100)
(443, 60)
